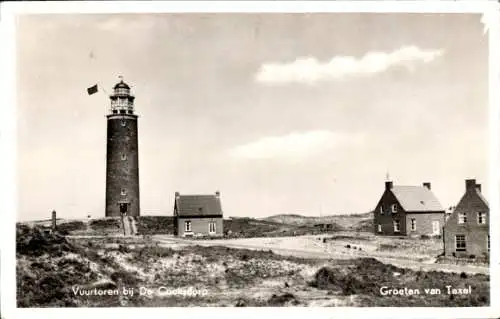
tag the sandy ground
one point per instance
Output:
(313, 247)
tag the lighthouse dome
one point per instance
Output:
(121, 85)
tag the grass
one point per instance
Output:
(68, 227)
(367, 275)
(364, 226)
(236, 227)
(348, 237)
(48, 265)
(105, 223)
(250, 227)
(149, 225)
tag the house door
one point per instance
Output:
(435, 227)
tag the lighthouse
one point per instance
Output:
(122, 155)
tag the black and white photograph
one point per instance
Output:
(253, 159)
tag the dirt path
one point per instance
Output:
(307, 248)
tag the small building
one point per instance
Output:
(408, 211)
(466, 232)
(198, 215)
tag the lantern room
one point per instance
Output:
(122, 102)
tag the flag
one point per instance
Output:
(91, 90)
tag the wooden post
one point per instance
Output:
(53, 220)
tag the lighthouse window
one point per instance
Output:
(123, 192)
(124, 123)
(124, 157)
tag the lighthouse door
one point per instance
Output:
(123, 208)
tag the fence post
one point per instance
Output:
(54, 220)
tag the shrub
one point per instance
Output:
(36, 242)
(67, 228)
(240, 303)
(282, 300)
(155, 225)
(154, 252)
(127, 278)
(350, 284)
(387, 246)
(123, 249)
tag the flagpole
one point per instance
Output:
(92, 57)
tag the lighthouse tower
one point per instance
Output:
(122, 163)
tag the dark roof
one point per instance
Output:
(417, 199)
(198, 205)
(480, 195)
(122, 85)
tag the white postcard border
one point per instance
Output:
(8, 195)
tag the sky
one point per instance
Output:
(282, 113)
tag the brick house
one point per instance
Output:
(466, 232)
(197, 215)
(408, 211)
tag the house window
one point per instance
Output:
(413, 224)
(481, 218)
(381, 210)
(394, 208)
(187, 226)
(379, 228)
(211, 227)
(435, 227)
(124, 157)
(460, 243)
(396, 226)
(462, 218)
(488, 242)
(123, 192)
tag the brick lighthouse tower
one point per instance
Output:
(122, 163)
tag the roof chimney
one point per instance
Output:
(388, 185)
(470, 184)
(427, 185)
(478, 187)
(177, 194)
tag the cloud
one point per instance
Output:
(294, 146)
(310, 70)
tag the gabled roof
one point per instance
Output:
(416, 199)
(198, 205)
(478, 192)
